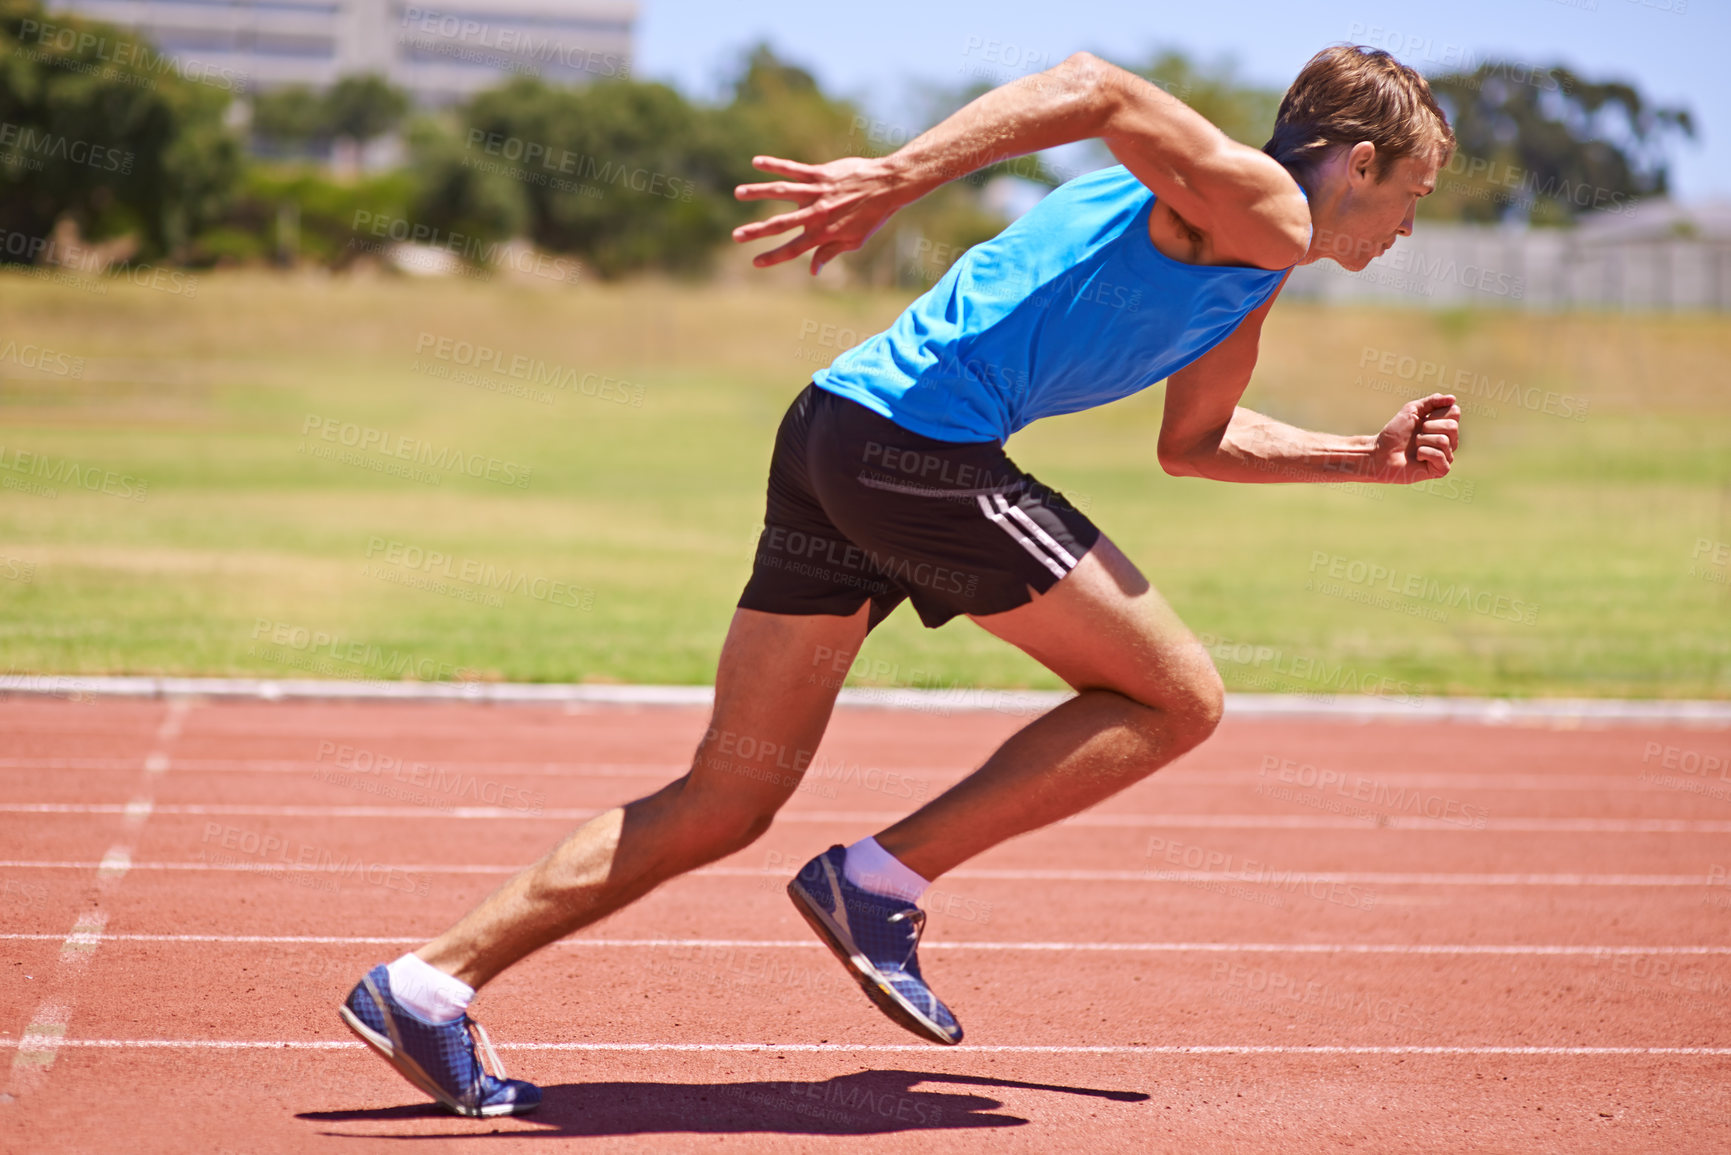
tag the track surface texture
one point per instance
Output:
(1305, 936)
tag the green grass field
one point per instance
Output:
(1563, 556)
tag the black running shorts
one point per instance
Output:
(861, 510)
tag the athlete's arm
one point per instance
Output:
(1206, 433)
(1242, 200)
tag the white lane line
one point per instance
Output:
(1270, 877)
(1131, 1049)
(269, 939)
(1428, 780)
(1565, 950)
(1382, 878)
(245, 867)
(36, 1052)
(37, 1049)
(1514, 783)
(1260, 876)
(46, 1031)
(114, 864)
(1405, 822)
(1558, 825)
(299, 766)
(1470, 825)
(1285, 707)
(86, 936)
(418, 813)
(904, 1048)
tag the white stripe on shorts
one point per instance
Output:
(1040, 534)
(1003, 522)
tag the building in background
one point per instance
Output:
(440, 53)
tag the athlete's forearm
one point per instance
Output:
(1255, 448)
(1076, 100)
(1212, 182)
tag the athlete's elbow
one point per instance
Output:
(1082, 69)
(1179, 460)
(1086, 81)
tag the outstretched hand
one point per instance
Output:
(841, 204)
(1420, 442)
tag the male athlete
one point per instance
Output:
(889, 481)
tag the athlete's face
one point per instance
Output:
(1360, 216)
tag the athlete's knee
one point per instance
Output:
(715, 826)
(1198, 705)
(1183, 709)
(733, 830)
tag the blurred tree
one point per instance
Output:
(360, 107)
(292, 115)
(1547, 146)
(1243, 111)
(458, 197)
(294, 213)
(363, 107)
(114, 144)
(780, 110)
(628, 175)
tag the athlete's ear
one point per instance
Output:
(1361, 164)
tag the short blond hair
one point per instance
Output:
(1350, 93)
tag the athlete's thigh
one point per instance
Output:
(1104, 626)
(774, 690)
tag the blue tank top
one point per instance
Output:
(1069, 307)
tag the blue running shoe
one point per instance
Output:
(875, 938)
(439, 1058)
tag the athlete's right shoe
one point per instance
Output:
(439, 1058)
(875, 938)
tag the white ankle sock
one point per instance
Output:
(427, 990)
(871, 867)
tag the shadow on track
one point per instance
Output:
(864, 1103)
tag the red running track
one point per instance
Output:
(1304, 936)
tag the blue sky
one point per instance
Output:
(1674, 51)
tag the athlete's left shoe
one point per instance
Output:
(875, 938)
(439, 1058)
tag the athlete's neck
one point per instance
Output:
(1309, 184)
